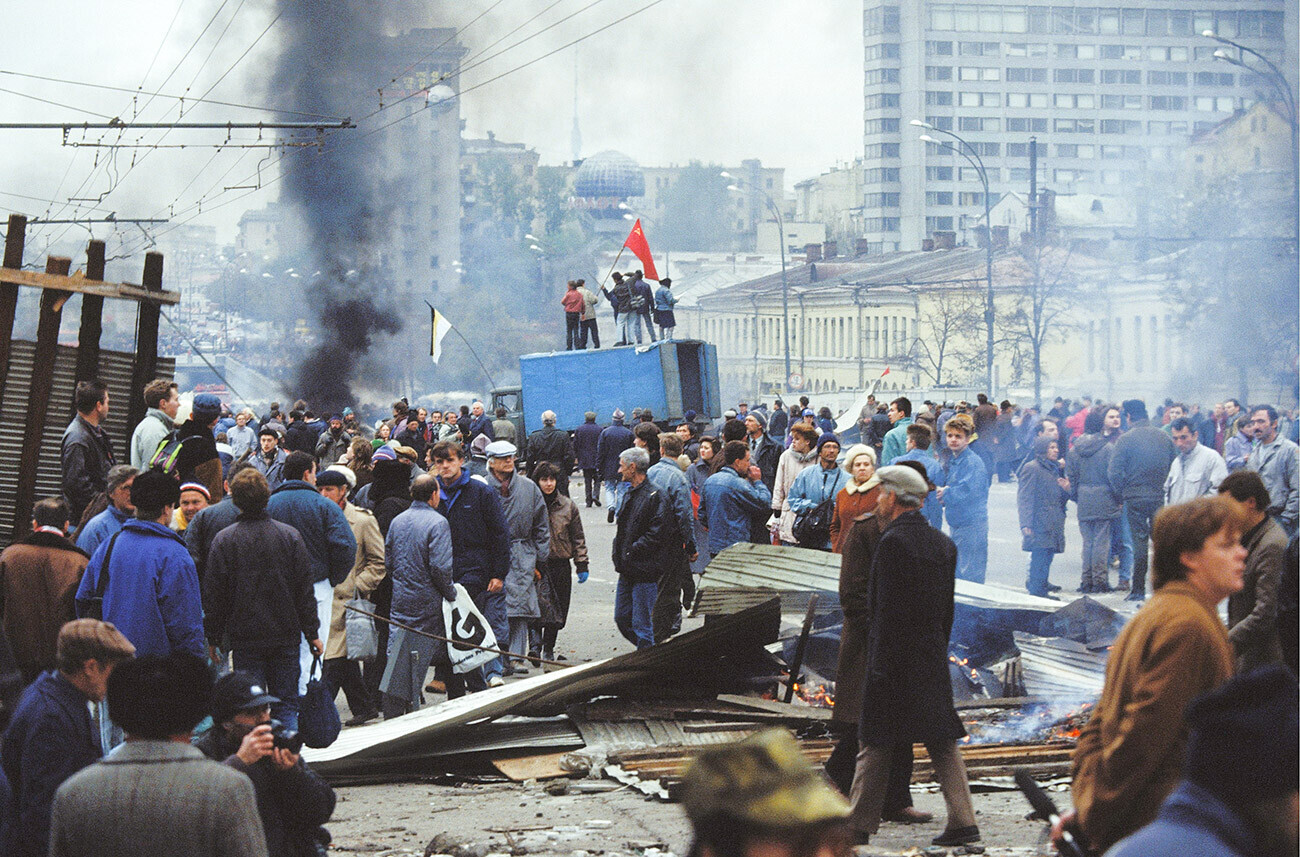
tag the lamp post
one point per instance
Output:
(785, 285)
(972, 157)
(1287, 96)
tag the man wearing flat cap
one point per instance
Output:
(529, 529)
(907, 695)
(760, 798)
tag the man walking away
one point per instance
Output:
(162, 402)
(418, 557)
(551, 444)
(157, 794)
(257, 593)
(586, 446)
(907, 696)
(38, 587)
(1277, 461)
(85, 452)
(614, 438)
(1137, 471)
(331, 547)
(643, 518)
(572, 302)
(51, 735)
(212, 520)
(679, 537)
(502, 428)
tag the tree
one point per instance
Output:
(696, 210)
(1043, 292)
(950, 319)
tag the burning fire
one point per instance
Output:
(818, 696)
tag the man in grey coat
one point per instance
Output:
(162, 402)
(1137, 471)
(418, 557)
(1277, 461)
(157, 794)
(529, 527)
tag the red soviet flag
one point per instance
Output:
(641, 249)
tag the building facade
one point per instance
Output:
(1111, 94)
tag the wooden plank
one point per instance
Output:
(92, 316)
(999, 702)
(15, 239)
(543, 767)
(38, 397)
(772, 706)
(79, 282)
(146, 340)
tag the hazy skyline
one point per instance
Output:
(715, 82)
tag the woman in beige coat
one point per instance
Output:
(367, 572)
(802, 452)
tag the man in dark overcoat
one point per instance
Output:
(907, 695)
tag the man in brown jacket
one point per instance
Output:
(1130, 754)
(367, 572)
(1252, 612)
(38, 581)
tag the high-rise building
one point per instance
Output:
(1111, 95)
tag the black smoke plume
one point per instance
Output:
(331, 61)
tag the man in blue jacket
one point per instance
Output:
(152, 591)
(615, 438)
(586, 445)
(920, 439)
(480, 547)
(331, 547)
(732, 496)
(51, 735)
(965, 498)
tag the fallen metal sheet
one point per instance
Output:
(704, 656)
(789, 570)
(720, 600)
(631, 734)
(1057, 668)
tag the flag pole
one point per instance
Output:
(456, 330)
(611, 267)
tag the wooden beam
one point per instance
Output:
(146, 340)
(80, 282)
(38, 399)
(15, 238)
(92, 316)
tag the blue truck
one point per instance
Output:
(670, 377)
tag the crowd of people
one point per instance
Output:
(634, 304)
(234, 546)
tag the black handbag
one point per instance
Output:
(812, 529)
(93, 607)
(318, 716)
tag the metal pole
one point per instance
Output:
(988, 272)
(785, 295)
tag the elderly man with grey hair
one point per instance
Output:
(907, 695)
(644, 526)
(551, 444)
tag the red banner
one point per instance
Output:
(641, 249)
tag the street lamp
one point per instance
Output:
(1282, 86)
(785, 285)
(972, 157)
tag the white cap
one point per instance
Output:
(500, 449)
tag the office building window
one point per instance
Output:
(884, 51)
(938, 174)
(938, 72)
(977, 198)
(1072, 75)
(1076, 52)
(980, 49)
(981, 74)
(887, 125)
(879, 175)
(1168, 102)
(882, 19)
(1027, 125)
(1221, 104)
(1075, 126)
(878, 76)
(882, 100)
(1075, 102)
(881, 150)
(943, 123)
(981, 99)
(1027, 99)
(938, 197)
(938, 99)
(978, 123)
(1121, 77)
(1074, 150)
(938, 224)
(1017, 150)
(1121, 102)
(1026, 75)
(1121, 126)
(1210, 78)
(881, 200)
(1167, 78)
(1119, 52)
(938, 49)
(970, 174)
(1026, 49)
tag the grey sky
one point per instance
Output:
(717, 81)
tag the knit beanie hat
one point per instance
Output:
(1243, 744)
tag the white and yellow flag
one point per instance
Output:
(439, 329)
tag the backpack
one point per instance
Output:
(638, 301)
(623, 294)
(167, 457)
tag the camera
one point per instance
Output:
(285, 739)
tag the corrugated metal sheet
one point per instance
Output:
(699, 656)
(789, 570)
(720, 600)
(114, 370)
(1054, 667)
(624, 735)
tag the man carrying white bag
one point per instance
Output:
(418, 555)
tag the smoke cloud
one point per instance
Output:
(332, 54)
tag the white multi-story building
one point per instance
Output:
(1110, 94)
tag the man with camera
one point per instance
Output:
(292, 799)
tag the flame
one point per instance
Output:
(818, 697)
